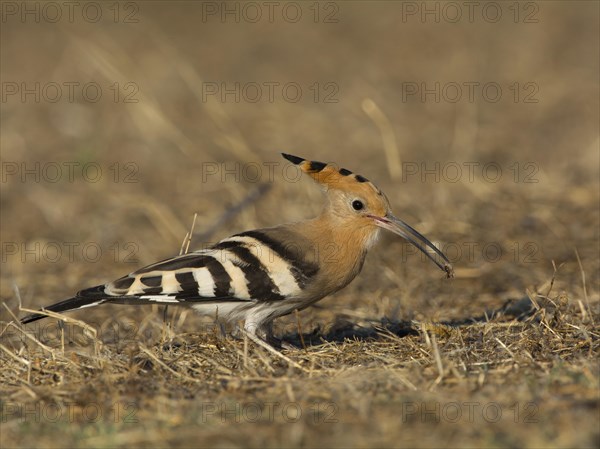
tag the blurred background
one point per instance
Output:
(119, 121)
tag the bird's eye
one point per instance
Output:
(357, 205)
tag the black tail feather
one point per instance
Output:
(96, 295)
(85, 298)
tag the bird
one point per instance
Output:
(263, 274)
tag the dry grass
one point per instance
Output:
(505, 355)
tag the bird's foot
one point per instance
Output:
(279, 343)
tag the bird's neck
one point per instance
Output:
(342, 247)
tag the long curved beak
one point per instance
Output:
(407, 232)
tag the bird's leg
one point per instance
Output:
(264, 331)
(252, 335)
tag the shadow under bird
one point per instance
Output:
(263, 274)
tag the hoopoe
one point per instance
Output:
(264, 274)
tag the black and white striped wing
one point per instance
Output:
(196, 276)
(245, 267)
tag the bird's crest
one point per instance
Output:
(329, 175)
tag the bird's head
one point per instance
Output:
(355, 202)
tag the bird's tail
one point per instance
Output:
(86, 298)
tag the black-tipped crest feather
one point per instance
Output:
(293, 159)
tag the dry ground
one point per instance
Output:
(504, 355)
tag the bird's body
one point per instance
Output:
(263, 274)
